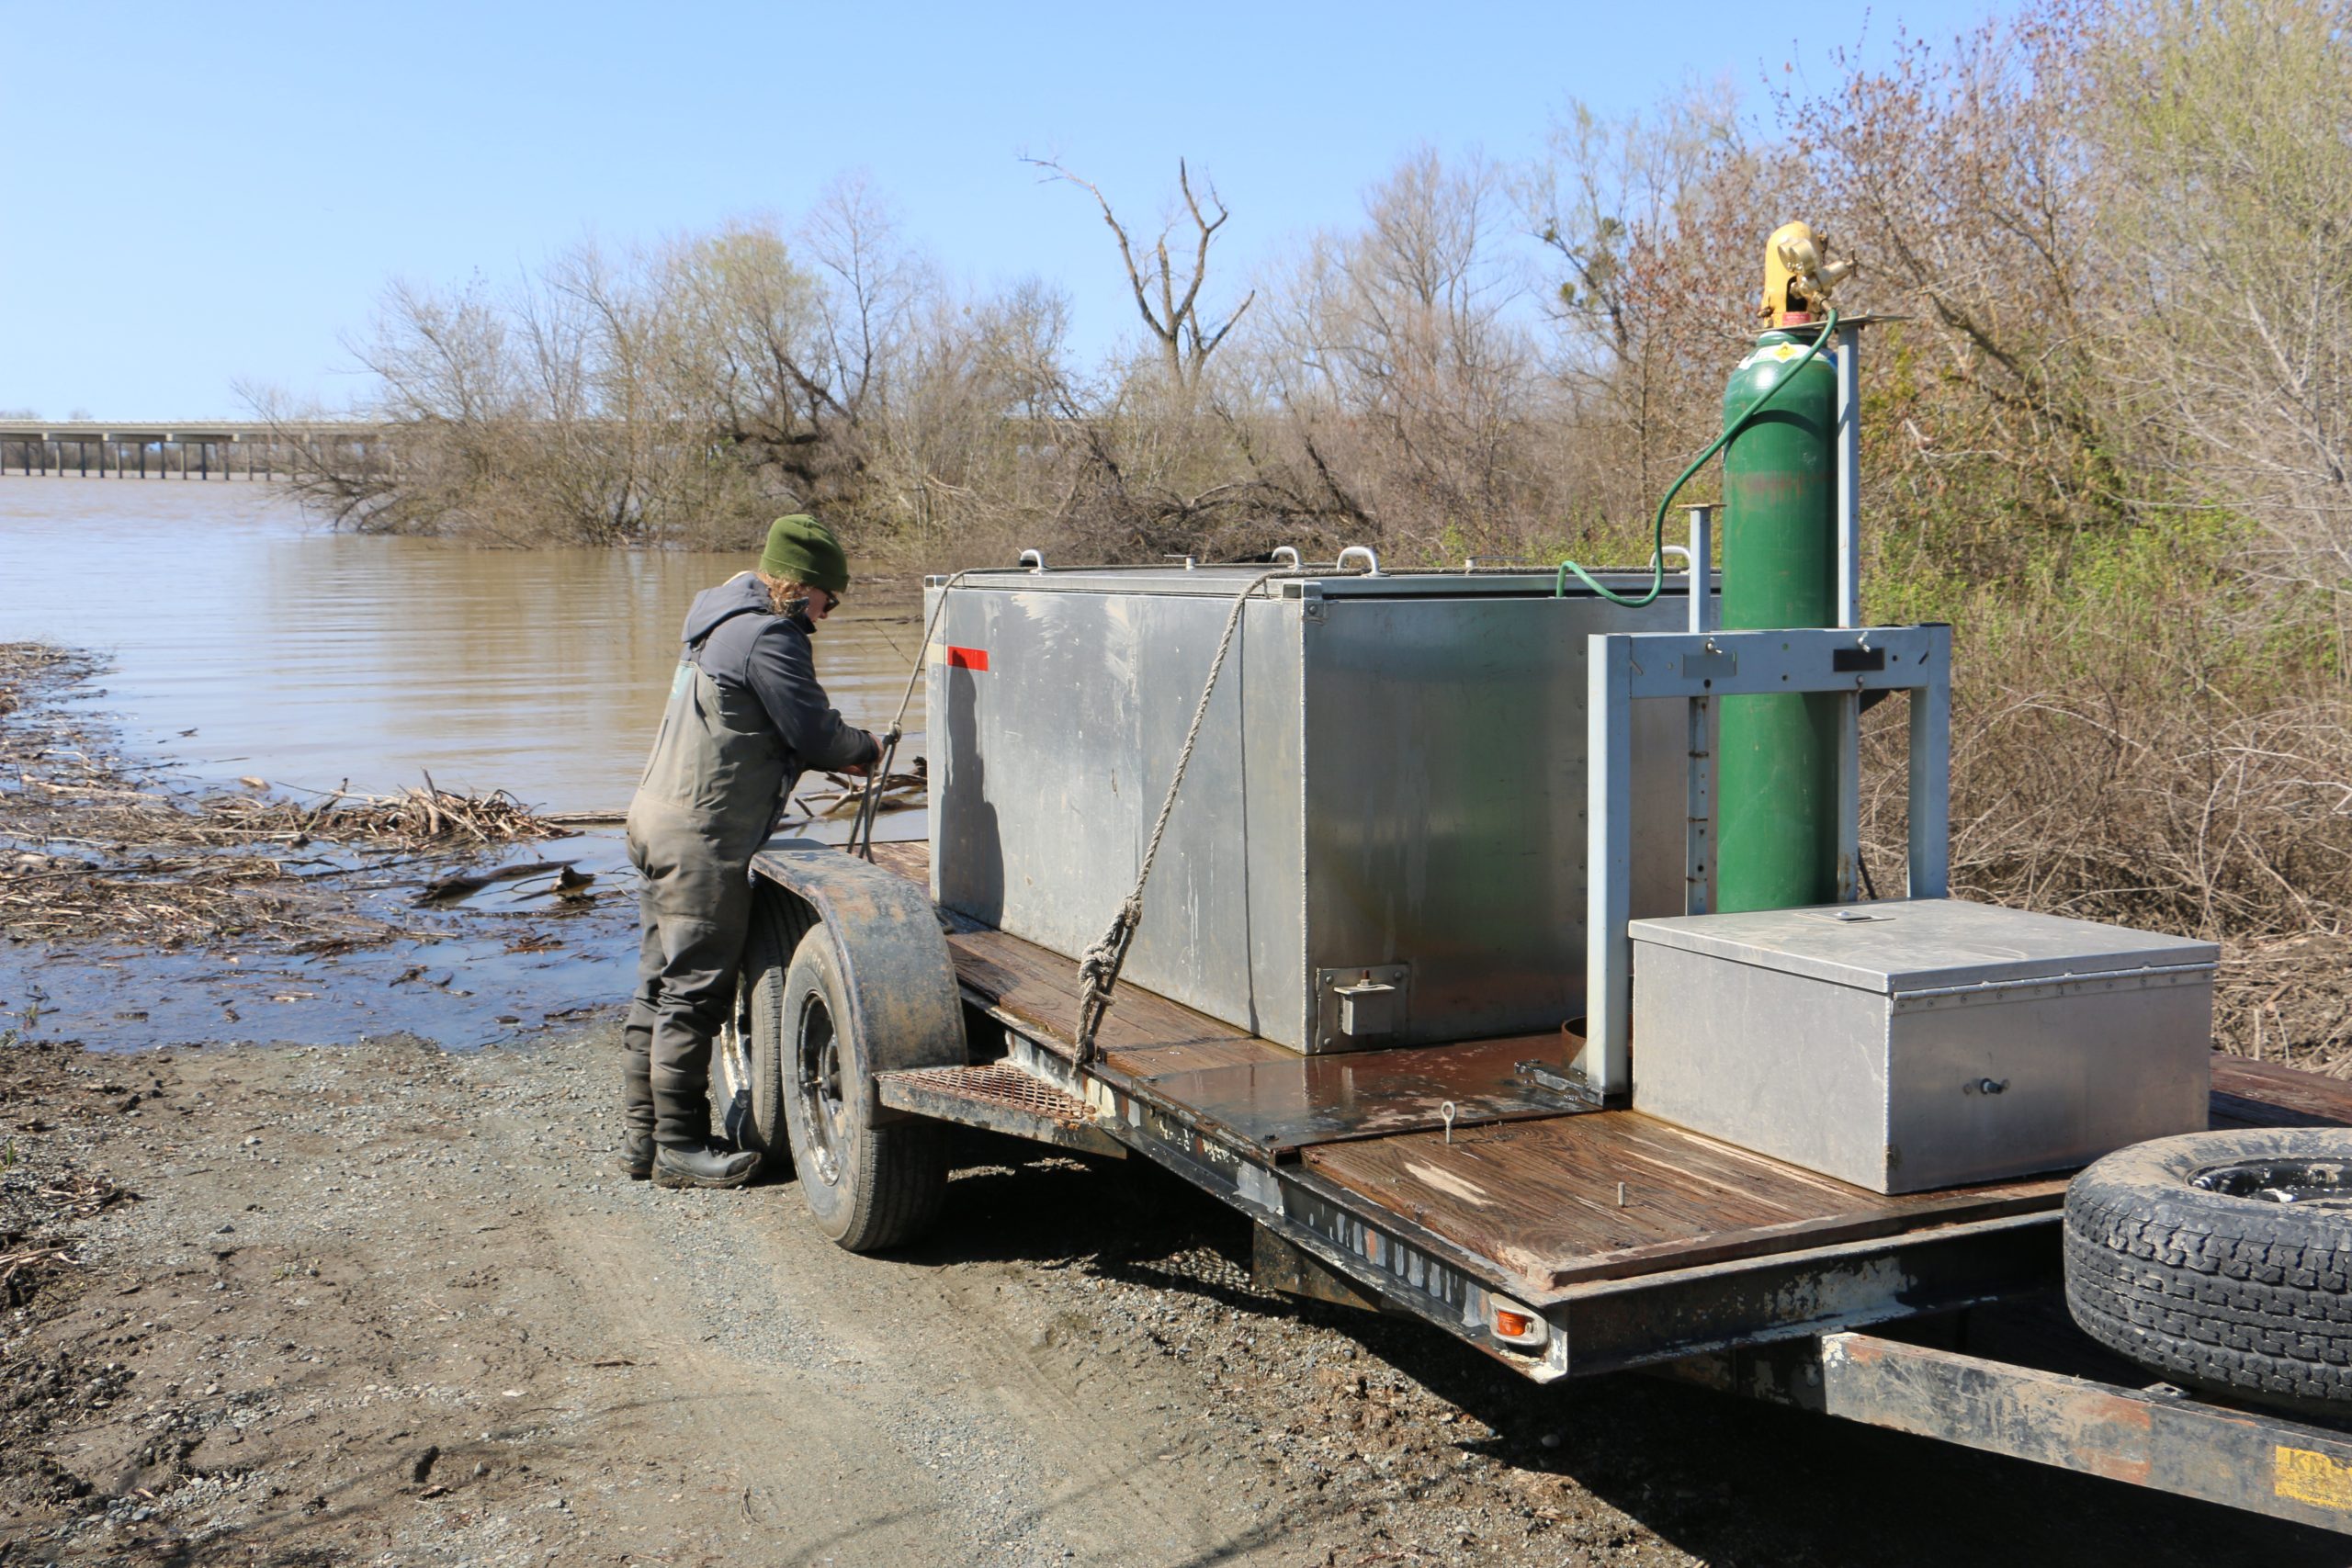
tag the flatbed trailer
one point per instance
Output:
(1449, 1183)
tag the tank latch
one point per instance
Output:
(1362, 1006)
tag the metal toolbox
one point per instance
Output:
(1381, 839)
(1912, 1044)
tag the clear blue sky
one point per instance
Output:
(194, 196)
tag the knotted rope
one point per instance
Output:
(1098, 969)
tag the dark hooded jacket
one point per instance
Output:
(746, 717)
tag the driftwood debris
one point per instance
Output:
(899, 792)
(93, 847)
(466, 883)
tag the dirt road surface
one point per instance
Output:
(380, 1303)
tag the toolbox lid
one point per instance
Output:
(1914, 944)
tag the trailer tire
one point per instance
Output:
(869, 1186)
(756, 1110)
(2176, 1260)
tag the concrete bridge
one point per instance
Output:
(119, 448)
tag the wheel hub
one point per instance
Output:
(732, 1063)
(2313, 1183)
(819, 1075)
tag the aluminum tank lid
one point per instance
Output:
(1906, 944)
(1223, 580)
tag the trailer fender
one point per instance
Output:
(891, 955)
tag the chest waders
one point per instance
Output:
(705, 805)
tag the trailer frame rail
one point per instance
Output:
(2157, 1437)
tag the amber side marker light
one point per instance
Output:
(1517, 1324)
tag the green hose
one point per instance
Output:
(1657, 530)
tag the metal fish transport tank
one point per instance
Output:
(1381, 839)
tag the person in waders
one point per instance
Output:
(745, 717)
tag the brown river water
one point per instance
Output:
(308, 658)
(247, 641)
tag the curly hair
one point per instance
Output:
(785, 597)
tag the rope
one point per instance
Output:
(869, 805)
(1098, 969)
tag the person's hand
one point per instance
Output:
(865, 770)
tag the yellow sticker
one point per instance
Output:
(2313, 1478)
(1784, 351)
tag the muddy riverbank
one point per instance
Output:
(141, 906)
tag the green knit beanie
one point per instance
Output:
(804, 550)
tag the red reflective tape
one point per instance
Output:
(966, 657)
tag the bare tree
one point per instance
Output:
(1399, 351)
(1167, 298)
(1653, 224)
(967, 455)
(873, 286)
(1965, 177)
(445, 373)
(751, 362)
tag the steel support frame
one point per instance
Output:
(1383, 1255)
(1627, 666)
(1849, 476)
(1699, 735)
(1650, 1319)
(1586, 1328)
(1848, 446)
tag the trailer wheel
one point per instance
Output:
(751, 1054)
(2223, 1259)
(870, 1185)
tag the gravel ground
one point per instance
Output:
(384, 1303)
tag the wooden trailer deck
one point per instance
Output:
(1560, 1203)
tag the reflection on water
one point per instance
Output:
(308, 658)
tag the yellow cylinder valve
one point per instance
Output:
(1798, 275)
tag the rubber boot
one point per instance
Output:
(636, 1155)
(703, 1165)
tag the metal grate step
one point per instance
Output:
(1000, 1098)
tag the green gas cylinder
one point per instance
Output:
(1777, 765)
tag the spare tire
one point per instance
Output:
(2223, 1260)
